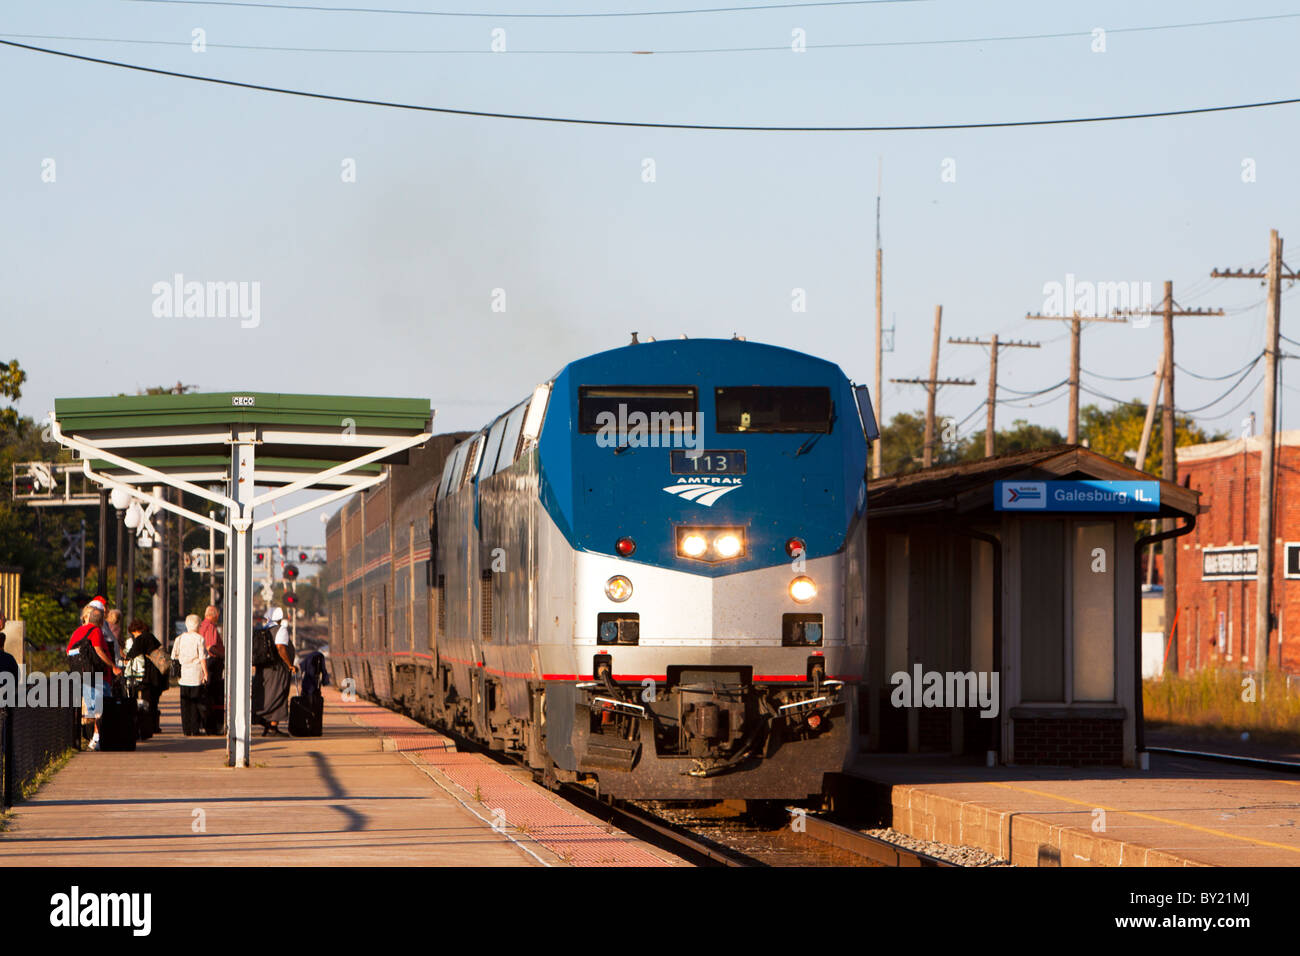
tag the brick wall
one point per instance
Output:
(1229, 484)
(1069, 741)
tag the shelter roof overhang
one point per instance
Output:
(968, 489)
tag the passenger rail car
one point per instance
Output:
(648, 577)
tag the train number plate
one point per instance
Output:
(693, 461)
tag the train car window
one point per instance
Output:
(447, 469)
(489, 463)
(471, 466)
(764, 408)
(510, 437)
(457, 467)
(669, 408)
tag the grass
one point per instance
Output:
(1210, 702)
(56, 763)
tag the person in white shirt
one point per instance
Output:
(271, 681)
(189, 649)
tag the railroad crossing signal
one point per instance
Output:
(290, 571)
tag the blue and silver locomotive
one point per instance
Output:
(648, 577)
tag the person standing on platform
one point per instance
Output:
(271, 681)
(98, 662)
(8, 663)
(113, 632)
(145, 677)
(189, 650)
(215, 698)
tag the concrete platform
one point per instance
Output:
(339, 799)
(1182, 812)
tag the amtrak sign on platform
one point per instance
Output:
(1077, 496)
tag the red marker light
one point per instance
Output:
(625, 547)
(794, 547)
(814, 721)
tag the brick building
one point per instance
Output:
(1217, 562)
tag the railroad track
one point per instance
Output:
(882, 852)
(810, 841)
(1262, 763)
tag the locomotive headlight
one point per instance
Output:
(802, 589)
(693, 544)
(728, 545)
(618, 588)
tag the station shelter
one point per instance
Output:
(1004, 607)
(239, 453)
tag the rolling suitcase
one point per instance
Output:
(306, 716)
(117, 726)
(143, 719)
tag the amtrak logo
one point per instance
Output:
(1024, 494)
(703, 491)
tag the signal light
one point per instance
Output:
(802, 589)
(794, 547)
(290, 571)
(258, 556)
(291, 598)
(618, 588)
(302, 556)
(625, 547)
(814, 721)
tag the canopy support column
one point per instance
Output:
(239, 582)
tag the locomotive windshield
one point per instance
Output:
(758, 408)
(672, 408)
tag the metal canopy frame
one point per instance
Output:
(308, 441)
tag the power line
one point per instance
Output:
(531, 16)
(1116, 378)
(577, 121)
(777, 48)
(1041, 391)
(1220, 378)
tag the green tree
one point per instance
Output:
(1021, 436)
(1115, 431)
(30, 538)
(904, 439)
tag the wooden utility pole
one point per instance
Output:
(1076, 329)
(1140, 463)
(877, 449)
(992, 400)
(932, 387)
(1273, 311)
(1169, 310)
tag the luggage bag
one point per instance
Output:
(306, 716)
(117, 725)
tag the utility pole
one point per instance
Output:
(992, 400)
(1076, 329)
(932, 387)
(1273, 313)
(1170, 310)
(1140, 462)
(877, 450)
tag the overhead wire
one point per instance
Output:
(642, 124)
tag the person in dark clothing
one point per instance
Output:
(146, 682)
(314, 675)
(271, 681)
(8, 663)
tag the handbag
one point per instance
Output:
(159, 659)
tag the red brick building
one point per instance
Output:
(1217, 562)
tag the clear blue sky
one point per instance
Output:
(384, 286)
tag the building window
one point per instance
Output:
(1067, 611)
